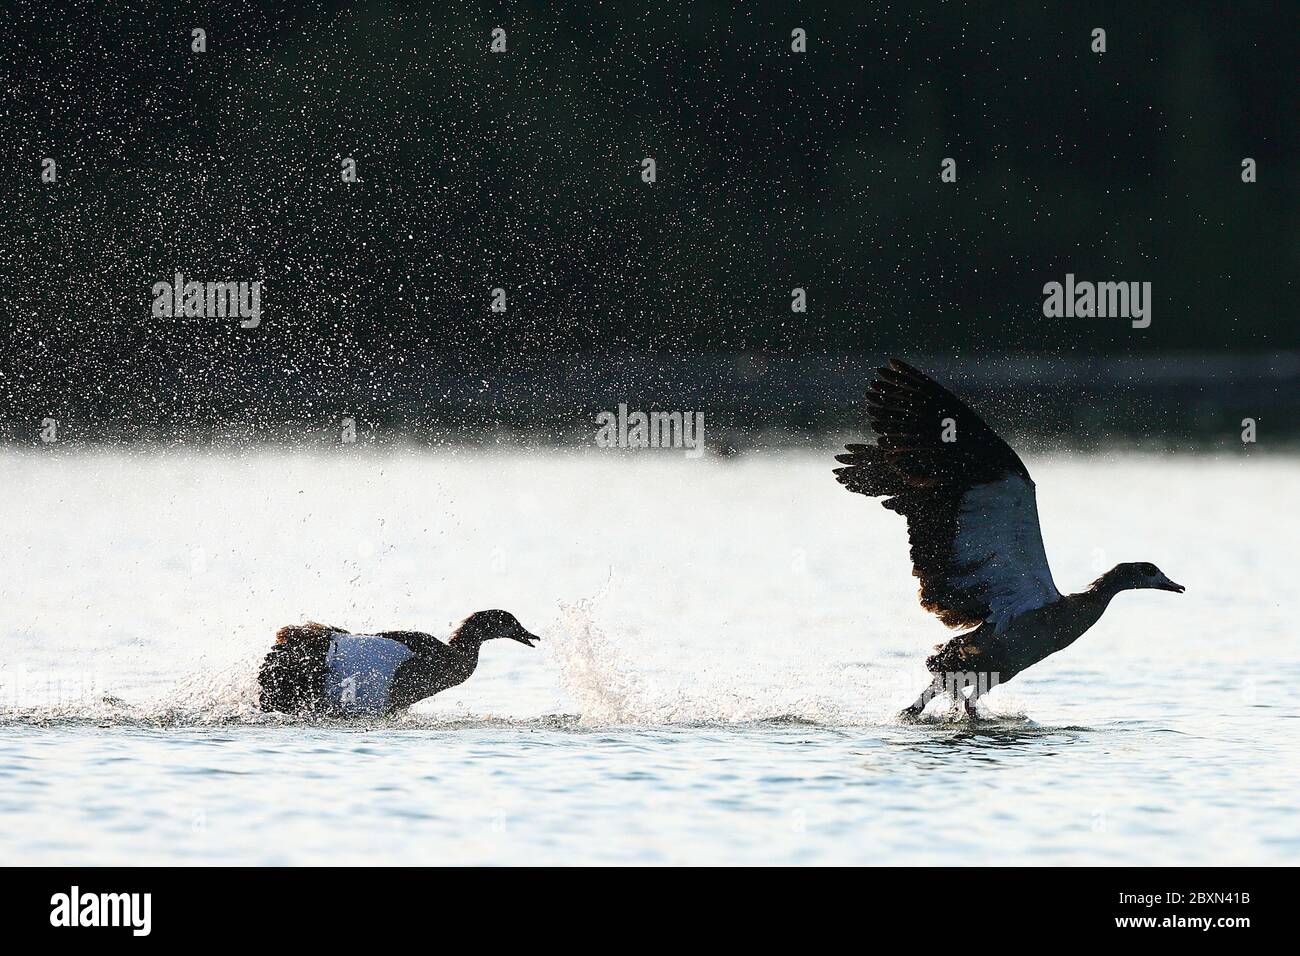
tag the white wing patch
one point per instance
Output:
(362, 667)
(998, 549)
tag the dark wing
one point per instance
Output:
(972, 514)
(293, 675)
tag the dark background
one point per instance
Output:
(522, 171)
(225, 903)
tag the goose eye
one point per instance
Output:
(1149, 569)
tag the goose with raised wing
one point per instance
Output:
(976, 546)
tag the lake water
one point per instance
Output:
(725, 645)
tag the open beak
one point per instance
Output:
(1167, 585)
(525, 637)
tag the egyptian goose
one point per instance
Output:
(972, 518)
(315, 669)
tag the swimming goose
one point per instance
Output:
(972, 518)
(328, 671)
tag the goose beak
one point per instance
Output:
(1164, 584)
(525, 637)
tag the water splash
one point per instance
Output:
(608, 692)
(228, 695)
(590, 671)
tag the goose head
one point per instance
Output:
(1136, 575)
(489, 625)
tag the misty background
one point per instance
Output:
(522, 171)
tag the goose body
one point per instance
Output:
(316, 669)
(976, 545)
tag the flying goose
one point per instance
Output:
(977, 549)
(328, 671)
